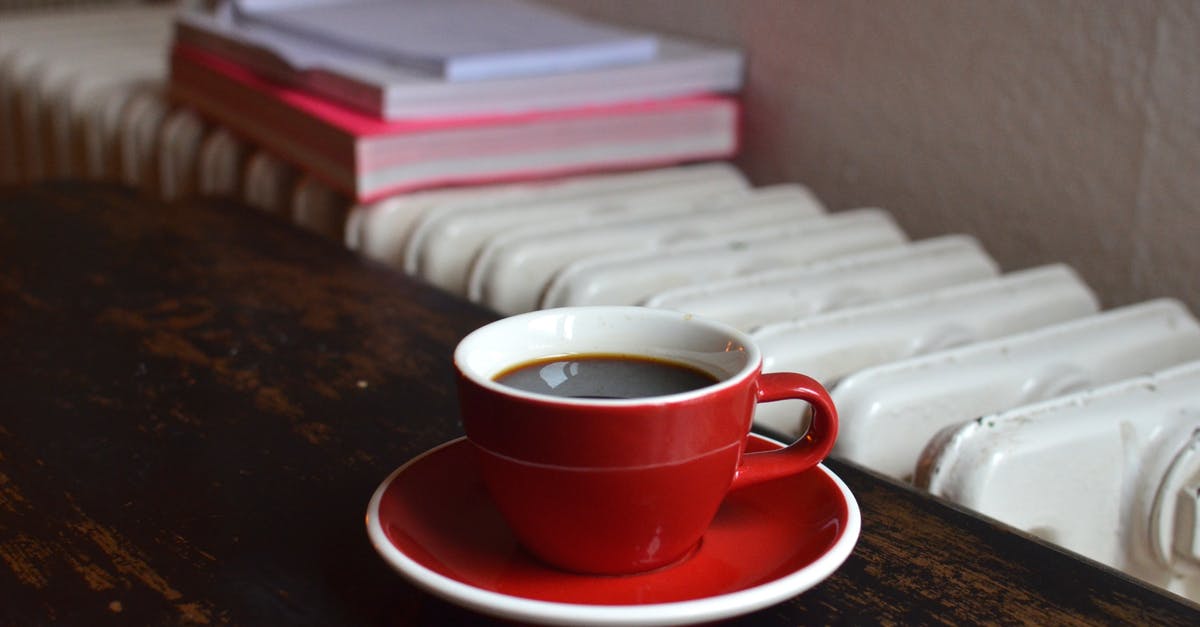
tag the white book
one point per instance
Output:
(457, 39)
(391, 91)
(368, 158)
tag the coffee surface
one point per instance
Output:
(604, 376)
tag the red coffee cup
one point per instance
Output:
(629, 484)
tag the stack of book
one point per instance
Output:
(377, 97)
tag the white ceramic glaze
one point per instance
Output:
(443, 247)
(1110, 473)
(632, 277)
(795, 292)
(834, 345)
(512, 269)
(889, 412)
(710, 345)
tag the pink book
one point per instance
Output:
(368, 158)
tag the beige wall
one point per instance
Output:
(1052, 130)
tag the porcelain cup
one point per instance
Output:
(618, 486)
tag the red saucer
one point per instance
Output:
(434, 522)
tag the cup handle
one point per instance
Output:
(805, 452)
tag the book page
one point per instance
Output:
(458, 39)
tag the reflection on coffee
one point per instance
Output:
(605, 376)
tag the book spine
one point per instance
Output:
(308, 143)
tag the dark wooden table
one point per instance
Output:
(197, 402)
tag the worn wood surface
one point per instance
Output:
(196, 403)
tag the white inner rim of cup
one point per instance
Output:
(713, 347)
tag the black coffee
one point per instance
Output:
(604, 376)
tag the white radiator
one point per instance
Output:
(1009, 393)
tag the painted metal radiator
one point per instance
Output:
(1010, 393)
